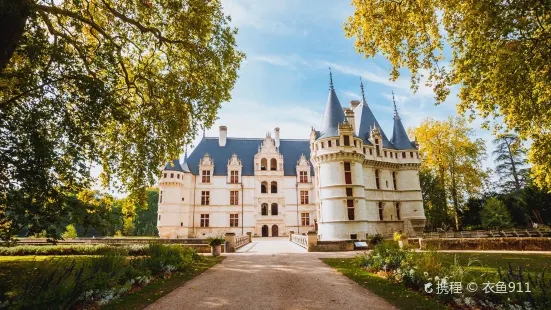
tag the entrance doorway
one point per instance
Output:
(275, 232)
(264, 230)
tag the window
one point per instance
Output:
(234, 220)
(350, 208)
(305, 219)
(337, 142)
(354, 236)
(355, 143)
(172, 175)
(181, 223)
(391, 155)
(403, 154)
(264, 208)
(380, 211)
(398, 215)
(364, 151)
(274, 209)
(370, 151)
(159, 217)
(205, 176)
(394, 185)
(347, 173)
(234, 176)
(411, 154)
(304, 197)
(161, 197)
(177, 176)
(263, 187)
(273, 164)
(182, 198)
(322, 145)
(386, 184)
(204, 220)
(377, 147)
(349, 192)
(263, 164)
(273, 187)
(303, 176)
(385, 154)
(205, 198)
(329, 143)
(234, 198)
(164, 175)
(346, 140)
(377, 179)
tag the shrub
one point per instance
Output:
(510, 243)
(375, 240)
(70, 232)
(216, 241)
(383, 257)
(399, 235)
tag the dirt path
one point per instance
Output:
(272, 274)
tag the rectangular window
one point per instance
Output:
(172, 175)
(346, 140)
(350, 207)
(322, 145)
(347, 173)
(380, 211)
(394, 180)
(164, 175)
(234, 176)
(159, 217)
(329, 143)
(364, 151)
(305, 219)
(385, 154)
(303, 176)
(161, 197)
(398, 216)
(205, 176)
(354, 236)
(403, 154)
(355, 143)
(234, 220)
(377, 147)
(177, 176)
(377, 179)
(338, 142)
(234, 198)
(204, 220)
(304, 197)
(391, 155)
(205, 198)
(349, 192)
(370, 151)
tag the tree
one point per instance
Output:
(70, 232)
(494, 214)
(448, 152)
(121, 84)
(434, 201)
(500, 55)
(146, 215)
(511, 162)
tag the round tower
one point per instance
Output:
(173, 215)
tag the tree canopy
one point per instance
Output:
(500, 55)
(121, 84)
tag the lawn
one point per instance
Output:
(476, 265)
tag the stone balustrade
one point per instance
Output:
(233, 243)
(241, 241)
(300, 240)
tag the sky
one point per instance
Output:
(284, 79)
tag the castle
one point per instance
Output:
(347, 181)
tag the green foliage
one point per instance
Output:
(373, 241)
(434, 201)
(500, 54)
(96, 280)
(70, 232)
(216, 241)
(494, 214)
(511, 162)
(383, 257)
(399, 235)
(117, 84)
(99, 249)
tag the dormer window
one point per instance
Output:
(263, 164)
(234, 176)
(273, 164)
(377, 147)
(205, 176)
(303, 177)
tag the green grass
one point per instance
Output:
(396, 294)
(160, 287)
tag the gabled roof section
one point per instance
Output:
(246, 149)
(174, 166)
(400, 137)
(333, 115)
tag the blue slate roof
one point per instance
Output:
(174, 166)
(332, 117)
(400, 137)
(246, 148)
(365, 120)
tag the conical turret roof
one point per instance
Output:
(174, 166)
(400, 137)
(333, 115)
(365, 121)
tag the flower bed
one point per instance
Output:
(513, 244)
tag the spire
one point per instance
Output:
(396, 116)
(330, 79)
(363, 93)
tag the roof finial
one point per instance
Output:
(330, 79)
(395, 110)
(363, 93)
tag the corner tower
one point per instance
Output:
(336, 153)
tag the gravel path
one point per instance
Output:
(272, 274)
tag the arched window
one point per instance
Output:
(273, 187)
(398, 216)
(263, 164)
(273, 164)
(377, 179)
(264, 209)
(274, 209)
(264, 187)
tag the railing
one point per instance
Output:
(241, 241)
(488, 234)
(300, 240)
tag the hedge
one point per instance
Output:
(509, 243)
(99, 249)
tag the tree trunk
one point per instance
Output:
(455, 199)
(513, 167)
(13, 17)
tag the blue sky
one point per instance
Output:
(284, 80)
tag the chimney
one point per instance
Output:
(276, 136)
(350, 118)
(223, 135)
(354, 103)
